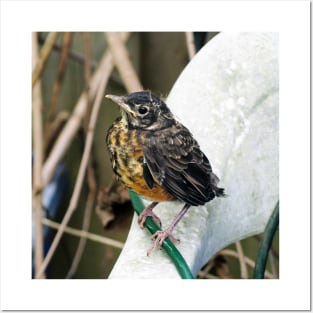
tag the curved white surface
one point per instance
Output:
(228, 97)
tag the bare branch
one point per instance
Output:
(74, 122)
(104, 77)
(241, 258)
(84, 234)
(91, 177)
(67, 39)
(248, 261)
(190, 45)
(44, 54)
(123, 63)
(37, 165)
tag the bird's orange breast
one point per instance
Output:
(126, 154)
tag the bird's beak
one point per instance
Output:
(121, 101)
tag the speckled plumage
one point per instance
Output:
(157, 157)
(126, 153)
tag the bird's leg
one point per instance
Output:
(148, 212)
(161, 235)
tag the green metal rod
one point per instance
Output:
(168, 246)
(266, 244)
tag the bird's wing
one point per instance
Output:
(176, 162)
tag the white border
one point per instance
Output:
(291, 19)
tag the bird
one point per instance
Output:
(157, 157)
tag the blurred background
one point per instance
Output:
(72, 177)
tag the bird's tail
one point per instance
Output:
(219, 192)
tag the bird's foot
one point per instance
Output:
(159, 238)
(145, 213)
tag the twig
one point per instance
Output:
(37, 167)
(60, 73)
(272, 263)
(74, 122)
(248, 261)
(87, 77)
(87, 59)
(44, 54)
(84, 234)
(84, 162)
(190, 45)
(79, 58)
(54, 129)
(73, 55)
(37, 127)
(91, 178)
(241, 258)
(82, 240)
(203, 274)
(123, 63)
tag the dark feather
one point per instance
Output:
(147, 176)
(176, 162)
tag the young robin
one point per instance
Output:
(157, 157)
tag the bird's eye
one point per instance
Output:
(142, 110)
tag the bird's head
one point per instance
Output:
(144, 110)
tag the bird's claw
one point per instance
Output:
(143, 216)
(159, 238)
